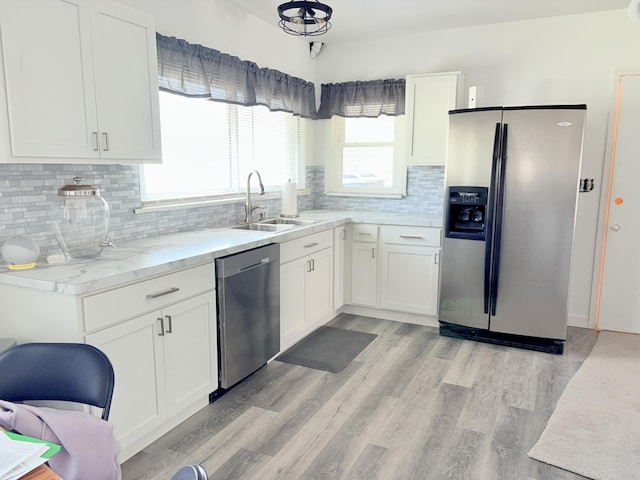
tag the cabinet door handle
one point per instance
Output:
(313, 265)
(308, 266)
(161, 326)
(373, 253)
(96, 143)
(411, 237)
(170, 329)
(309, 245)
(105, 136)
(436, 259)
(164, 292)
(343, 235)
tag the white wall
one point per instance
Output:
(562, 60)
(566, 59)
(216, 24)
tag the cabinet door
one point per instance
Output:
(190, 351)
(292, 301)
(364, 274)
(135, 349)
(428, 101)
(339, 244)
(320, 287)
(409, 276)
(48, 66)
(124, 45)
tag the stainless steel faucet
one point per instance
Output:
(248, 206)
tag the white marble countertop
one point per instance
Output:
(138, 259)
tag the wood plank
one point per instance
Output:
(413, 405)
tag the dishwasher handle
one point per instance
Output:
(262, 262)
(247, 260)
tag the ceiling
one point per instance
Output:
(379, 18)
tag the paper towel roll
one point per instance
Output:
(289, 200)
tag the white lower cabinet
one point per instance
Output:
(409, 261)
(306, 286)
(364, 265)
(395, 268)
(339, 258)
(163, 360)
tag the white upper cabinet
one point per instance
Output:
(81, 83)
(429, 98)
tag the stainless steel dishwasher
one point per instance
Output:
(248, 311)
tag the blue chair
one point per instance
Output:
(68, 372)
(191, 472)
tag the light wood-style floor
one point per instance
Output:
(413, 405)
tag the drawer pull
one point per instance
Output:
(309, 245)
(411, 237)
(364, 233)
(161, 326)
(164, 292)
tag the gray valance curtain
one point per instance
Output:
(198, 71)
(362, 99)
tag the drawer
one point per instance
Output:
(362, 232)
(303, 246)
(411, 235)
(110, 307)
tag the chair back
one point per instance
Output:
(191, 472)
(70, 372)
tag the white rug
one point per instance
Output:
(595, 428)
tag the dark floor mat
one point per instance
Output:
(328, 348)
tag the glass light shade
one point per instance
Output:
(20, 251)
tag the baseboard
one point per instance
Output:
(423, 320)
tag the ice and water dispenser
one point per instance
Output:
(466, 213)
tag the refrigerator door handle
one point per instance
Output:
(495, 269)
(493, 187)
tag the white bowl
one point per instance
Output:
(20, 251)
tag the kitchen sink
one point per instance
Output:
(264, 227)
(274, 224)
(287, 221)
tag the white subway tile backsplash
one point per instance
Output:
(28, 190)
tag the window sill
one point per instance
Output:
(365, 194)
(180, 204)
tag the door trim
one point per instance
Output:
(605, 195)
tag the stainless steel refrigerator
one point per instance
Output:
(511, 190)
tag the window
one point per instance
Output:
(367, 160)
(209, 148)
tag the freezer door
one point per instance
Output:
(461, 283)
(543, 155)
(463, 262)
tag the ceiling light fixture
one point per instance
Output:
(306, 19)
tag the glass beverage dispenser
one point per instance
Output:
(80, 219)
